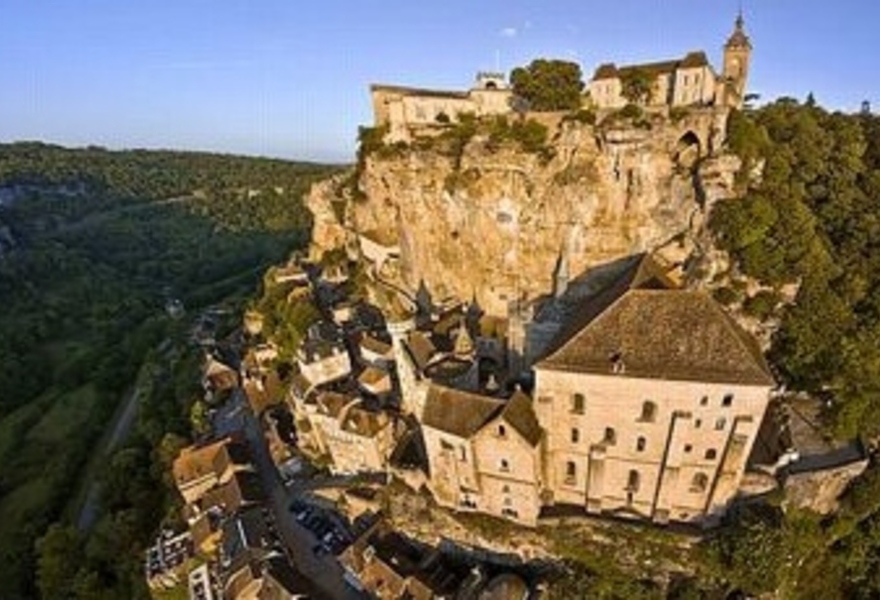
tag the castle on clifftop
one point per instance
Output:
(689, 81)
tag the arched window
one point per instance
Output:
(575, 435)
(699, 483)
(633, 481)
(505, 466)
(641, 443)
(649, 412)
(711, 453)
(610, 436)
(577, 403)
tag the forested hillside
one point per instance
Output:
(94, 245)
(810, 214)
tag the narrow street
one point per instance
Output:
(324, 570)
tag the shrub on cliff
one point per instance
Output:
(549, 85)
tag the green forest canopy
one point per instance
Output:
(100, 241)
(813, 217)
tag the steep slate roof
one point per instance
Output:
(664, 334)
(691, 59)
(421, 348)
(458, 412)
(518, 412)
(411, 91)
(643, 272)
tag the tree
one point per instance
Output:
(59, 558)
(636, 85)
(549, 85)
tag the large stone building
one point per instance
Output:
(651, 403)
(401, 108)
(681, 82)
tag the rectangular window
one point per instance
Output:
(727, 400)
(577, 404)
(570, 472)
(720, 423)
(462, 453)
(575, 436)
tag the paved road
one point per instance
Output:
(122, 425)
(324, 571)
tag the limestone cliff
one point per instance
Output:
(492, 221)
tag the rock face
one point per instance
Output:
(494, 222)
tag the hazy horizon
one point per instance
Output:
(288, 81)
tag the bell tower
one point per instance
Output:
(737, 53)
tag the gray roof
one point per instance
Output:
(518, 412)
(664, 334)
(696, 58)
(458, 412)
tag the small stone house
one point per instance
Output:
(357, 439)
(197, 469)
(323, 361)
(484, 453)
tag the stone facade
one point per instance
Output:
(680, 460)
(483, 453)
(401, 109)
(685, 82)
(357, 439)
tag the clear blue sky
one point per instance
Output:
(290, 78)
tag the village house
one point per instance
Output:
(483, 453)
(374, 351)
(217, 376)
(322, 361)
(197, 469)
(356, 438)
(388, 566)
